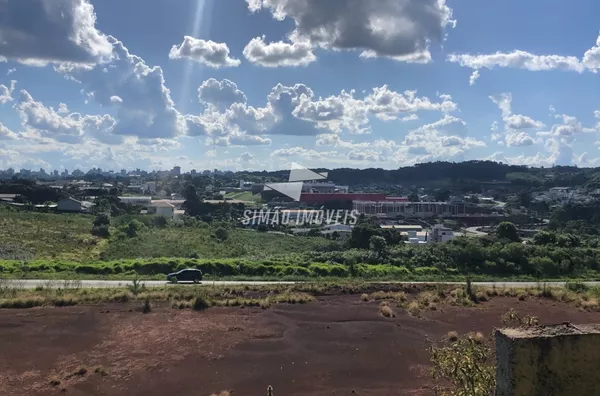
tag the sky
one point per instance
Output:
(259, 84)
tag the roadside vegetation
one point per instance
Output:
(69, 246)
(391, 298)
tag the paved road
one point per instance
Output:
(33, 283)
(473, 230)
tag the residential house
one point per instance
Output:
(164, 208)
(74, 205)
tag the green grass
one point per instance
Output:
(243, 196)
(27, 235)
(35, 236)
(185, 242)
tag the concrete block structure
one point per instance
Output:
(559, 360)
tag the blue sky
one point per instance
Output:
(257, 84)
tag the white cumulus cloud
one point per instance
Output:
(221, 93)
(519, 59)
(6, 92)
(70, 128)
(207, 52)
(279, 53)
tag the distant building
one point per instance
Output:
(409, 209)
(440, 234)
(164, 208)
(323, 188)
(74, 205)
(176, 171)
(403, 227)
(142, 201)
(561, 194)
(246, 186)
(323, 198)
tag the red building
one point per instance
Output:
(320, 199)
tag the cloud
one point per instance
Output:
(524, 60)
(337, 113)
(401, 30)
(448, 125)
(295, 110)
(560, 139)
(302, 152)
(146, 109)
(71, 128)
(518, 139)
(35, 32)
(387, 104)
(7, 134)
(206, 52)
(513, 123)
(62, 108)
(243, 139)
(279, 53)
(440, 140)
(473, 77)
(246, 157)
(591, 58)
(6, 92)
(518, 60)
(11, 71)
(364, 155)
(517, 121)
(412, 117)
(220, 93)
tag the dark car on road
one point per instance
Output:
(185, 275)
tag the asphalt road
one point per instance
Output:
(33, 283)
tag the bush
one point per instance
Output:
(386, 310)
(132, 229)
(200, 303)
(466, 364)
(146, 308)
(159, 221)
(221, 234)
(101, 231)
(577, 287)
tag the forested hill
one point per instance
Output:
(457, 172)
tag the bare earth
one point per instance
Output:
(331, 347)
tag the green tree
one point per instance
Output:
(378, 244)
(101, 219)
(507, 230)
(133, 227)
(192, 204)
(413, 197)
(544, 238)
(361, 235)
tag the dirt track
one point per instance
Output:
(331, 347)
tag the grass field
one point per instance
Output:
(243, 196)
(185, 242)
(31, 236)
(26, 235)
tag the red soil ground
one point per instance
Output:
(332, 347)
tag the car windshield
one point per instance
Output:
(219, 197)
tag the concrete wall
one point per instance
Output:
(561, 360)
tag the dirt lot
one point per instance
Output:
(332, 347)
